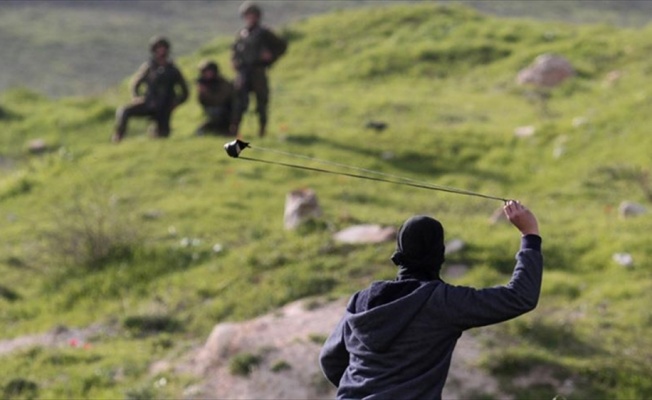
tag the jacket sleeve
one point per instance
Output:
(334, 358)
(467, 307)
(139, 79)
(182, 95)
(221, 97)
(275, 44)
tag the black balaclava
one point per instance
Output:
(420, 249)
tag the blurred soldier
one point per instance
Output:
(165, 90)
(215, 94)
(255, 49)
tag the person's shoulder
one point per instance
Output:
(145, 65)
(173, 66)
(267, 30)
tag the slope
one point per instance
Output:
(195, 238)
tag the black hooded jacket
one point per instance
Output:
(397, 338)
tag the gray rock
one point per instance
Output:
(624, 259)
(631, 209)
(152, 214)
(547, 70)
(454, 246)
(37, 146)
(300, 206)
(368, 233)
(455, 271)
(525, 131)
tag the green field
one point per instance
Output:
(95, 233)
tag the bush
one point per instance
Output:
(8, 294)
(20, 388)
(149, 324)
(91, 234)
(280, 365)
(141, 393)
(242, 364)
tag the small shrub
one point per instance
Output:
(280, 365)
(317, 338)
(20, 388)
(100, 378)
(164, 342)
(242, 364)
(477, 395)
(8, 294)
(91, 233)
(148, 324)
(7, 115)
(140, 393)
(18, 184)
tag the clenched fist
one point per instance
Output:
(522, 218)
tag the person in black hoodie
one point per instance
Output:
(396, 338)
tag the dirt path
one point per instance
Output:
(58, 337)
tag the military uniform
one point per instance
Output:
(216, 97)
(159, 99)
(251, 69)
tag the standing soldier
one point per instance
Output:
(255, 49)
(215, 94)
(165, 90)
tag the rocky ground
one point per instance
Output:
(287, 343)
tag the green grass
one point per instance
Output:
(449, 96)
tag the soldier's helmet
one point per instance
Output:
(249, 7)
(208, 65)
(157, 41)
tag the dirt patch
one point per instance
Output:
(60, 336)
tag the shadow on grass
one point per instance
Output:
(556, 338)
(132, 274)
(442, 160)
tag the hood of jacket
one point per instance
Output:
(380, 313)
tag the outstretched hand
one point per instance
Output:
(521, 217)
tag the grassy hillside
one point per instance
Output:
(443, 79)
(81, 47)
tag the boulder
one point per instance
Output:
(455, 271)
(613, 77)
(300, 205)
(219, 346)
(631, 209)
(624, 259)
(547, 71)
(524, 131)
(368, 233)
(37, 146)
(454, 246)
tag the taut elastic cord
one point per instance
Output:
(399, 181)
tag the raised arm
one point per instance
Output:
(467, 307)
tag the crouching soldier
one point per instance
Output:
(215, 94)
(165, 90)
